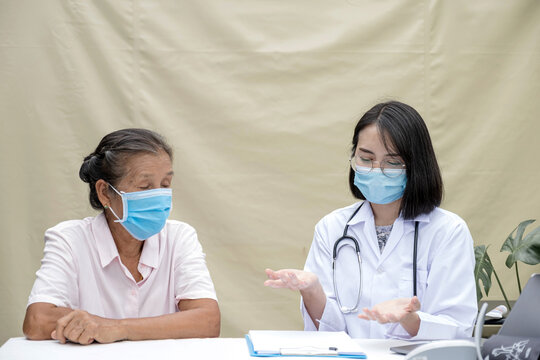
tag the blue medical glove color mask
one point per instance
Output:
(144, 212)
(378, 188)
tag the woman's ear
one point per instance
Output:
(102, 190)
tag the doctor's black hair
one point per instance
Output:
(108, 161)
(404, 131)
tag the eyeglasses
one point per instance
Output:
(391, 168)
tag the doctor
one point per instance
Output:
(382, 284)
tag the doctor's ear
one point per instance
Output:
(103, 193)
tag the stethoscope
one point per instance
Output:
(348, 310)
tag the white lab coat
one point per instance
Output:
(445, 273)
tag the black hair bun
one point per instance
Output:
(90, 169)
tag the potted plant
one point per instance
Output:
(525, 249)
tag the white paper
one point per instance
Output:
(301, 342)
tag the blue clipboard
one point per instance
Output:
(253, 353)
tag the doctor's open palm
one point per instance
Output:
(291, 279)
(395, 310)
(401, 310)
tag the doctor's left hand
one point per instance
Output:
(397, 310)
(81, 327)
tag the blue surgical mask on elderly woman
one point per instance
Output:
(144, 212)
(378, 188)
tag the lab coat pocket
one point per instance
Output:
(406, 284)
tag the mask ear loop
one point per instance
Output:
(124, 206)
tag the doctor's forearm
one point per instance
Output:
(315, 301)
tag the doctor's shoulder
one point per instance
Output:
(335, 221)
(448, 225)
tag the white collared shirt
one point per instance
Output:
(445, 273)
(81, 269)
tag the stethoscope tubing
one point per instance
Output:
(344, 309)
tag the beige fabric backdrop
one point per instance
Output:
(259, 100)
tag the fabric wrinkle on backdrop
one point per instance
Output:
(259, 100)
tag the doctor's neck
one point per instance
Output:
(386, 214)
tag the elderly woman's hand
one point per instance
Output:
(81, 327)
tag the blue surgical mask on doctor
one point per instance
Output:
(378, 187)
(144, 212)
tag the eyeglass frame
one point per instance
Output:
(381, 166)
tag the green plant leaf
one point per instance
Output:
(529, 252)
(483, 268)
(525, 249)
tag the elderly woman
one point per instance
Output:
(128, 273)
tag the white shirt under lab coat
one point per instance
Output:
(445, 273)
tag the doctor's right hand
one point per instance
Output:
(291, 279)
(307, 282)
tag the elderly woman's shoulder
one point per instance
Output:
(182, 235)
(72, 228)
(76, 224)
(180, 228)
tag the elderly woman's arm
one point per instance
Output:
(41, 318)
(197, 318)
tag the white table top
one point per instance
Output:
(219, 348)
